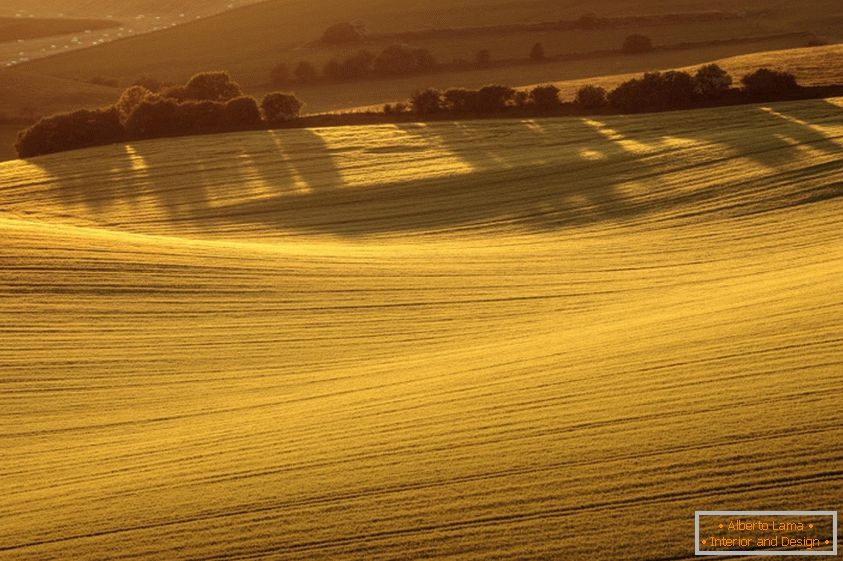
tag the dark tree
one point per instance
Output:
(242, 113)
(176, 93)
(70, 131)
(537, 52)
(711, 81)
(591, 97)
(153, 118)
(352, 68)
(279, 107)
(129, 101)
(280, 74)
(212, 86)
(345, 32)
(199, 117)
(396, 60)
(306, 73)
(460, 100)
(656, 91)
(427, 101)
(521, 99)
(765, 82)
(545, 98)
(483, 58)
(635, 44)
(494, 98)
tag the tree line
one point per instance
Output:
(209, 102)
(212, 102)
(400, 59)
(654, 91)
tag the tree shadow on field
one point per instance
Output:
(537, 174)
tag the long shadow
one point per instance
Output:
(537, 174)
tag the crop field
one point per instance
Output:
(498, 339)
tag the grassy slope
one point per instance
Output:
(477, 340)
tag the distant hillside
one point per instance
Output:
(249, 41)
(102, 8)
(45, 95)
(14, 28)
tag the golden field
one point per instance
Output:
(499, 339)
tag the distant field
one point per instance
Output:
(813, 66)
(248, 41)
(45, 95)
(819, 66)
(496, 340)
(13, 29)
(117, 8)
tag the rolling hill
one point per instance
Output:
(250, 40)
(498, 339)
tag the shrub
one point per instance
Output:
(635, 44)
(537, 52)
(280, 74)
(711, 81)
(70, 131)
(545, 98)
(129, 100)
(212, 86)
(401, 59)
(483, 58)
(494, 98)
(460, 100)
(521, 99)
(591, 97)
(153, 118)
(279, 107)
(770, 83)
(306, 73)
(242, 113)
(427, 101)
(345, 32)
